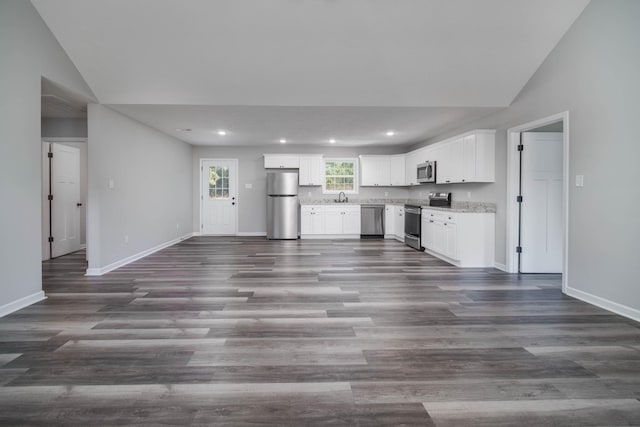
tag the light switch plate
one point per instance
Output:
(248, 186)
(579, 180)
(112, 184)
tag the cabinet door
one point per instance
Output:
(397, 165)
(306, 222)
(374, 171)
(399, 225)
(310, 171)
(351, 221)
(451, 242)
(281, 162)
(469, 158)
(317, 223)
(455, 161)
(439, 237)
(411, 165)
(389, 219)
(333, 222)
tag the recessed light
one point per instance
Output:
(390, 133)
(332, 141)
(283, 141)
(183, 130)
(222, 132)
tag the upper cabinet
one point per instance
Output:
(397, 165)
(468, 158)
(310, 172)
(281, 161)
(375, 171)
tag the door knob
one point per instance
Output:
(233, 203)
(78, 204)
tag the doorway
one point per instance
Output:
(537, 196)
(219, 197)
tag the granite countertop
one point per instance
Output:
(477, 207)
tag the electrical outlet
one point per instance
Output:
(111, 184)
(579, 180)
(309, 194)
(177, 226)
(468, 194)
(248, 186)
(386, 194)
(420, 194)
(126, 239)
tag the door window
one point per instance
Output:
(218, 182)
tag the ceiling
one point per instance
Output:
(448, 58)
(59, 103)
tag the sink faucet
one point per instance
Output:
(340, 197)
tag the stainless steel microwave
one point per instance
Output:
(426, 172)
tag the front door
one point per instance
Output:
(541, 208)
(219, 197)
(65, 206)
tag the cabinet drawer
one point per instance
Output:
(310, 208)
(450, 217)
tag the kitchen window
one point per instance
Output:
(340, 175)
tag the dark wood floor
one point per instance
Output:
(242, 331)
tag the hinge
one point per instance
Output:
(201, 197)
(520, 147)
(50, 155)
(201, 169)
(50, 197)
(519, 199)
(519, 249)
(51, 239)
(201, 225)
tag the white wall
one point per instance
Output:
(593, 73)
(152, 191)
(29, 51)
(252, 203)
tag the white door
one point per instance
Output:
(65, 206)
(219, 197)
(541, 210)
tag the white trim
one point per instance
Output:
(132, 258)
(606, 304)
(201, 194)
(83, 246)
(21, 303)
(500, 266)
(251, 233)
(196, 233)
(513, 167)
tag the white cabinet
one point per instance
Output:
(311, 220)
(330, 221)
(411, 165)
(389, 221)
(375, 171)
(310, 172)
(397, 165)
(281, 161)
(465, 239)
(398, 227)
(468, 158)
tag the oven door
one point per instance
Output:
(412, 221)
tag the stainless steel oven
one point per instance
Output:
(412, 226)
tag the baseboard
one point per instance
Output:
(606, 304)
(83, 246)
(500, 266)
(21, 303)
(196, 233)
(329, 236)
(251, 233)
(132, 258)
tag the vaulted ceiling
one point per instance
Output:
(452, 59)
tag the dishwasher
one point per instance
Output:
(372, 221)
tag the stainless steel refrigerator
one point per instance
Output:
(282, 205)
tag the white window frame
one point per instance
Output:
(356, 174)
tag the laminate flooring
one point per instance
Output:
(244, 331)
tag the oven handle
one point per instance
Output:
(412, 211)
(411, 237)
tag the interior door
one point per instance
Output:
(65, 206)
(541, 207)
(219, 197)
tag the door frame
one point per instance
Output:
(513, 185)
(202, 160)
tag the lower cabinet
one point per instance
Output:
(318, 221)
(465, 239)
(394, 222)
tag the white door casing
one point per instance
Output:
(219, 197)
(65, 208)
(541, 211)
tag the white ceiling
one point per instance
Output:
(258, 125)
(308, 53)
